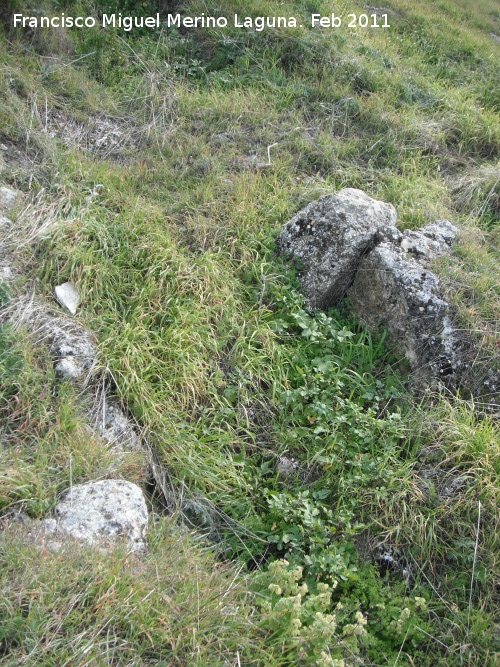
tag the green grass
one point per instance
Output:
(45, 443)
(176, 607)
(169, 235)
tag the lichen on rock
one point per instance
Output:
(101, 514)
(329, 237)
(349, 245)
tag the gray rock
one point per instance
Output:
(76, 342)
(69, 368)
(101, 514)
(287, 466)
(71, 345)
(329, 238)
(67, 296)
(388, 235)
(4, 222)
(8, 198)
(429, 242)
(348, 243)
(114, 426)
(65, 337)
(394, 290)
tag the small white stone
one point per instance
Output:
(4, 221)
(67, 296)
(287, 466)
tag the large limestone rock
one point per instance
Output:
(394, 290)
(102, 514)
(329, 237)
(348, 243)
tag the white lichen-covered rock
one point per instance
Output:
(102, 514)
(71, 345)
(394, 290)
(116, 428)
(329, 238)
(67, 296)
(69, 368)
(430, 242)
(8, 198)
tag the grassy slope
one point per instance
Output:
(209, 346)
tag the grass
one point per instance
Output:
(81, 607)
(201, 149)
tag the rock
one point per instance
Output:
(71, 345)
(8, 198)
(4, 222)
(429, 242)
(348, 243)
(102, 514)
(394, 290)
(72, 341)
(69, 368)
(67, 296)
(114, 426)
(329, 238)
(287, 466)
(64, 336)
(388, 235)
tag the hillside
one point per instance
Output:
(309, 503)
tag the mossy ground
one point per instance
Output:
(167, 164)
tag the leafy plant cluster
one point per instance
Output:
(310, 625)
(340, 414)
(341, 405)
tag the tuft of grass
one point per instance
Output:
(477, 194)
(445, 516)
(176, 607)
